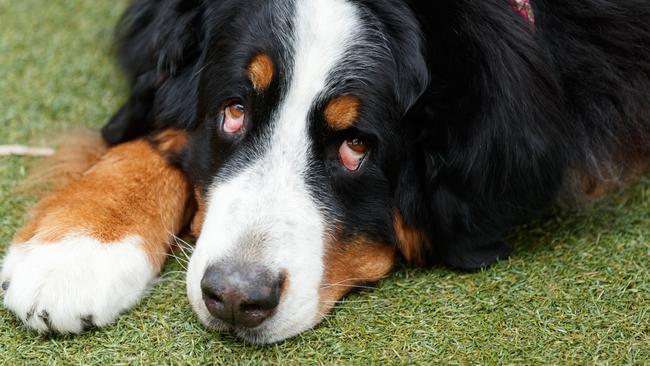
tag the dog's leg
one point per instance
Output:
(92, 248)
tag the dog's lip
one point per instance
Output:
(257, 335)
(250, 334)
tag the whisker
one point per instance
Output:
(178, 242)
(357, 301)
(183, 245)
(180, 260)
(172, 273)
(348, 285)
(343, 282)
(170, 280)
(365, 308)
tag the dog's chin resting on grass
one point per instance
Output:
(309, 144)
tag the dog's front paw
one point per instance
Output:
(75, 283)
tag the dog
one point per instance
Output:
(312, 143)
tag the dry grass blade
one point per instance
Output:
(23, 150)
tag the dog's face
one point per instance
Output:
(297, 153)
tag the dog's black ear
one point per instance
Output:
(158, 44)
(410, 58)
(402, 33)
(487, 139)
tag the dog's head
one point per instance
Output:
(293, 113)
(298, 148)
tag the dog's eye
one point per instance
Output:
(352, 152)
(233, 117)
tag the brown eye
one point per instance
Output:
(233, 117)
(352, 152)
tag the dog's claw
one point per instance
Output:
(87, 322)
(45, 317)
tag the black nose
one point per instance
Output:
(241, 294)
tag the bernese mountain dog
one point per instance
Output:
(310, 143)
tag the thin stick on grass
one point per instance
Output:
(22, 150)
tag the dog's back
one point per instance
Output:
(578, 71)
(601, 50)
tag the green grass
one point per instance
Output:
(576, 291)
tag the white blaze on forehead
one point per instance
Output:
(270, 200)
(324, 29)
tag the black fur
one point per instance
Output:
(478, 122)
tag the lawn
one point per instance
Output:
(576, 291)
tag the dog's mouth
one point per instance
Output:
(261, 305)
(285, 321)
(262, 334)
(256, 324)
(253, 335)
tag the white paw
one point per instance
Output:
(75, 283)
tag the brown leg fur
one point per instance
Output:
(131, 190)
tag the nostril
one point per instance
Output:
(254, 314)
(213, 302)
(212, 297)
(251, 308)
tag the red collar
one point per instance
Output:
(524, 8)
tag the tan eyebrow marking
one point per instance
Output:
(342, 112)
(260, 71)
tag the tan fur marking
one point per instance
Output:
(592, 187)
(614, 176)
(170, 141)
(26, 232)
(199, 216)
(79, 150)
(260, 71)
(342, 112)
(285, 283)
(132, 190)
(410, 241)
(357, 262)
